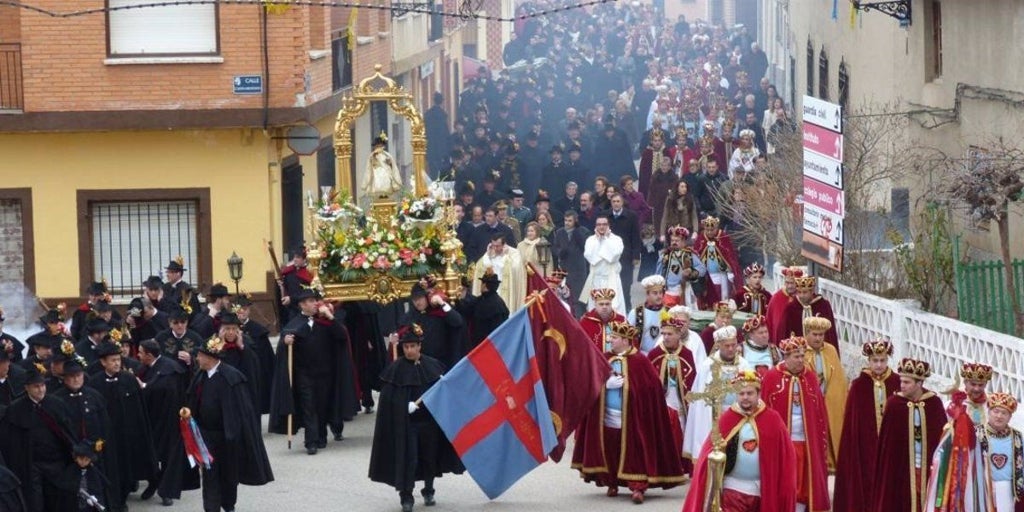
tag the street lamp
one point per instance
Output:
(235, 269)
(544, 254)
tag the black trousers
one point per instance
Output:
(314, 401)
(220, 482)
(45, 495)
(421, 443)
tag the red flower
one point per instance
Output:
(382, 263)
(358, 260)
(407, 255)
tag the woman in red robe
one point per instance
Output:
(855, 469)
(776, 458)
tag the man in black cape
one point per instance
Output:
(260, 337)
(363, 325)
(12, 379)
(9, 344)
(322, 391)
(238, 352)
(36, 439)
(484, 313)
(408, 445)
(444, 329)
(164, 382)
(218, 398)
(179, 342)
(90, 423)
(145, 320)
(134, 450)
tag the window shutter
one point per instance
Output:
(165, 30)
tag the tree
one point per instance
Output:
(985, 183)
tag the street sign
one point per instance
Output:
(825, 197)
(248, 84)
(823, 114)
(824, 203)
(303, 139)
(823, 169)
(823, 142)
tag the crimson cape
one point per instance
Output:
(594, 327)
(777, 393)
(895, 452)
(855, 469)
(728, 252)
(646, 432)
(777, 458)
(744, 299)
(684, 373)
(793, 320)
(776, 316)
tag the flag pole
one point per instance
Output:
(291, 359)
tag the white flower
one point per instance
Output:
(366, 264)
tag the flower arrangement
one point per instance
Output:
(404, 245)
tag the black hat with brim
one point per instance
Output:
(174, 266)
(96, 288)
(85, 449)
(97, 325)
(51, 317)
(243, 301)
(108, 348)
(36, 374)
(304, 294)
(73, 366)
(153, 283)
(177, 313)
(229, 318)
(418, 291)
(218, 290)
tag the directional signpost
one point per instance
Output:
(823, 199)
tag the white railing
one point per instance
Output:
(943, 342)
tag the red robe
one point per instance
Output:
(793, 319)
(645, 433)
(894, 490)
(776, 316)
(729, 259)
(684, 373)
(855, 469)
(594, 327)
(778, 482)
(777, 393)
(745, 297)
(647, 168)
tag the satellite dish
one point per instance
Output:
(304, 139)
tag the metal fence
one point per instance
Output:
(981, 293)
(133, 240)
(11, 91)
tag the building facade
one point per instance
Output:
(950, 68)
(132, 136)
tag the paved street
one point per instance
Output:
(335, 479)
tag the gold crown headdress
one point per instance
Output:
(914, 369)
(816, 324)
(753, 323)
(792, 344)
(877, 347)
(599, 294)
(623, 330)
(1004, 400)
(976, 371)
(746, 378)
(806, 283)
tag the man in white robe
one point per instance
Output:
(508, 266)
(698, 421)
(603, 250)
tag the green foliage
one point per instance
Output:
(927, 260)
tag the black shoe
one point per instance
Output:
(407, 507)
(338, 436)
(321, 445)
(428, 500)
(166, 501)
(311, 450)
(368, 409)
(149, 492)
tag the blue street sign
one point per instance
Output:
(248, 84)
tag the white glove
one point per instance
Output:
(730, 276)
(413, 407)
(615, 382)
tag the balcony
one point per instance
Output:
(11, 92)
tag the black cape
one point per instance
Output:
(17, 347)
(16, 447)
(391, 462)
(241, 427)
(444, 334)
(11, 499)
(484, 313)
(363, 324)
(90, 422)
(260, 337)
(134, 450)
(166, 383)
(247, 362)
(344, 401)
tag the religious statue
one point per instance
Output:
(383, 177)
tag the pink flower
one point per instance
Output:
(407, 255)
(358, 260)
(382, 263)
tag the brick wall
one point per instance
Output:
(10, 24)
(64, 63)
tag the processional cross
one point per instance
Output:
(714, 395)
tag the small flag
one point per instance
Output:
(195, 447)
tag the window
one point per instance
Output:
(16, 244)
(810, 68)
(131, 234)
(326, 164)
(164, 30)
(823, 74)
(341, 63)
(844, 85)
(933, 40)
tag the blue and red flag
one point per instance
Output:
(493, 409)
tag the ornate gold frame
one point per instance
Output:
(380, 287)
(353, 106)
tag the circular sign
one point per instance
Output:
(304, 139)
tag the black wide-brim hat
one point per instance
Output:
(97, 325)
(218, 290)
(305, 293)
(97, 288)
(36, 374)
(73, 367)
(229, 318)
(51, 317)
(153, 283)
(108, 348)
(174, 266)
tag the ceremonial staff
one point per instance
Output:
(277, 278)
(714, 394)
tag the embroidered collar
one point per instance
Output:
(755, 348)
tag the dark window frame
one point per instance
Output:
(24, 196)
(810, 68)
(216, 22)
(823, 74)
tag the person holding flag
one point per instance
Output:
(408, 445)
(622, 441)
